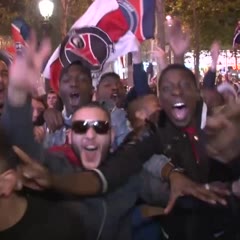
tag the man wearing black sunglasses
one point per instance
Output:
(91, 135)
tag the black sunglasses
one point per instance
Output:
(81, 127)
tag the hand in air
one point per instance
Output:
(179, 40)
(223, 133)
(25, 71)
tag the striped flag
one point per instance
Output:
(107, 30)
(20, 33)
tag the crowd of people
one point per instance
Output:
(103, 163)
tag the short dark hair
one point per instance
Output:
(8, 158)
(138, 104)
(83, 68)
(180, 67)
(41, 99)
(109, 74)
(96, 105)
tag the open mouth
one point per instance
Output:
(74, 99)
(114, 96)
(180, 111)
(90, 155)
(90, 148)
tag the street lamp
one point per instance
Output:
(169, 20)
(46, 9)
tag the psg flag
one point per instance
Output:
(107, 30)
(20, 34)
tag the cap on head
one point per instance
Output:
(80, 65)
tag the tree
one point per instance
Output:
(7, 13)
(216, 19)
(71, 10)
(65, 13)
(208, 20)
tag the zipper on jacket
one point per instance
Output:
(104, 205)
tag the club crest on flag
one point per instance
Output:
(107, 30)
(90, 45)
(129, 13)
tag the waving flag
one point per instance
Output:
(20, 34)
(107, 30)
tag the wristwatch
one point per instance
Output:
(176, 170)
(169, 169)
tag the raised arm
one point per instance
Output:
(17, 123)
(24, 76)
(210, 76)
(179, 41)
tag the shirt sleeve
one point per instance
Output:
(127, 161)
(140, 80)
(209, 80)
(18, 126)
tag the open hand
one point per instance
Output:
(25, 71)
(183, 186)
(179, 40)
(223, 133)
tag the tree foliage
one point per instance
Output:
(28, 9)
(216, 19)
(70, 11)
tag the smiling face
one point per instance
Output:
(75, 88)
(178, 96)
(91, 145)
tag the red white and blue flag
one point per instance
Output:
(107, 30)
(20, 34)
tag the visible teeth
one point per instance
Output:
(179, 105)
(90, 148)
(114, 94)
